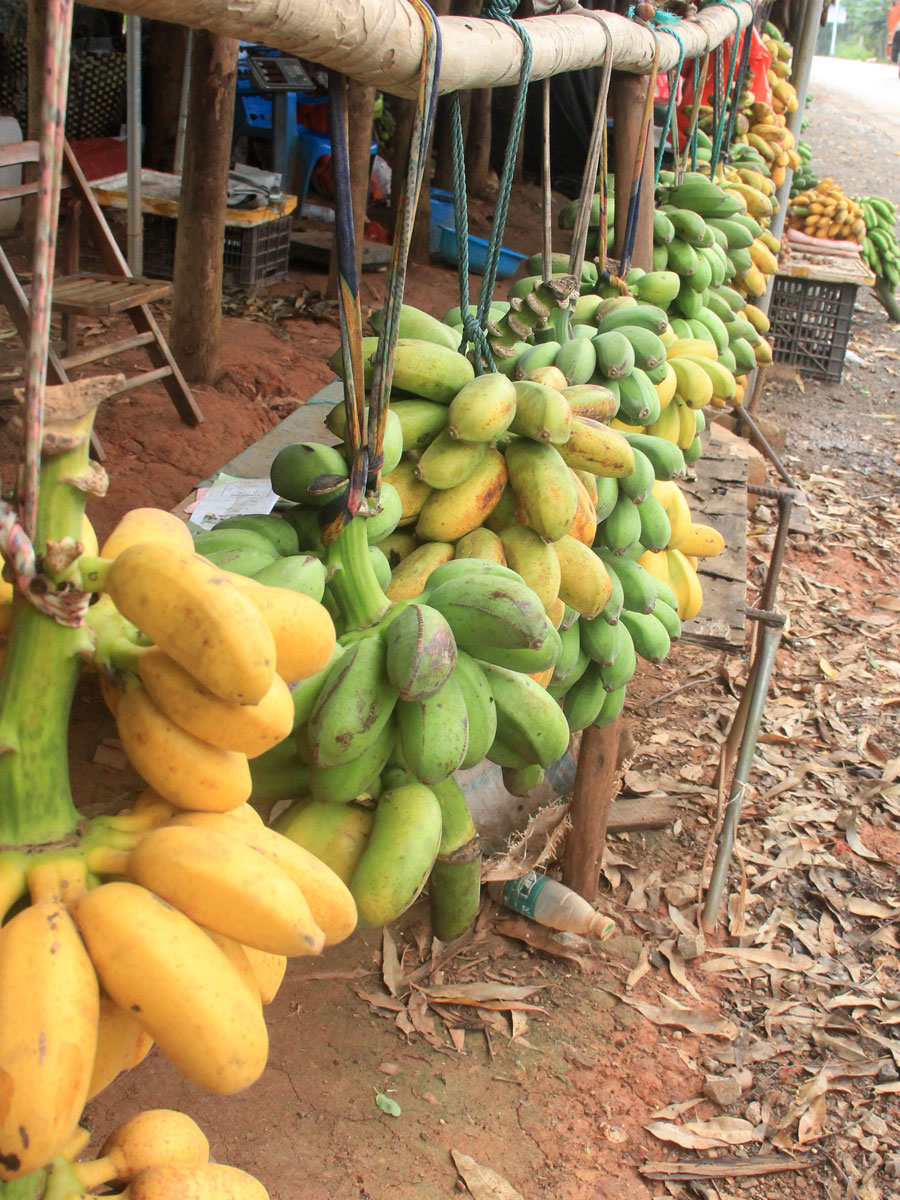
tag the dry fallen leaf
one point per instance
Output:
(706, 1135)
(482, 1182)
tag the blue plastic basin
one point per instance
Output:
(508, 262)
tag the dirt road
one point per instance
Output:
(869, 90)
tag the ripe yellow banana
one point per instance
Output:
(685, 584)
(49, 1009)
(156, 1137)
(250, 729)
(211, 1181)
(702, 541)
(301, 628)
(220, 882)
(155, 962)
(671, 497)
(181, 768)
(194, 612)
(121, 1045)
(329, 899)
(147, 525)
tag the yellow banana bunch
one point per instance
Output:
(160, 1154)
(185, 922)
(211, 692)
(826, 212)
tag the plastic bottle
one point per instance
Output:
(550, 903)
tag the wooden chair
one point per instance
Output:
(82, 293)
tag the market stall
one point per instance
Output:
(504, 527)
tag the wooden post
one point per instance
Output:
(162, 92)
(628, 93)
(360, 106)
(478, 140)
(196, 325)
(589, 810)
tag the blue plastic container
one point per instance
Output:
(508, 262)
(441, 214)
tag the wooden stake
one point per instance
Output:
(196, 325)
(627, 94)
(360, 106)
(589, 811)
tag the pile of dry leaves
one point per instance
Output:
(794, 1002)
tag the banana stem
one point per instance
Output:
(94, 1174)
(29, 1187)
(41, 669)
(353, 583)
(63, 1182)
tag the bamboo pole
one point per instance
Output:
(379, 42)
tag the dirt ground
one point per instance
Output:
(599, 1066)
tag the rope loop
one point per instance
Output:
(62, 602)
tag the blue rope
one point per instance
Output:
(670, 110)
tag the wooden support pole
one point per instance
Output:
(196, 325)
(628, 93)
(589, 811)
(360, 106)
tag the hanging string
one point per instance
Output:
(722, 89)
(546, 210)
(699, 79)
(350, 315)
(420, 138)
(634, 198)
(595, 167)
(53, 120)
(743, 66)
(501, 10)
(64, 602)
(365, 432)
(668, 123)
(472, 330)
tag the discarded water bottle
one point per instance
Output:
(550, 903)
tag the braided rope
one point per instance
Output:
(670, 110)
(596, 153)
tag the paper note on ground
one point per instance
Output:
(231, 496)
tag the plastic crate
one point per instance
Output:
(810, 324)
(253, 255)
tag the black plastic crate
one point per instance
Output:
(253, 256)
(810, 324)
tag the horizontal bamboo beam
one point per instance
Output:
(379, 42)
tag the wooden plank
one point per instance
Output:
(717, 493)
(107, 350)
(632, 814)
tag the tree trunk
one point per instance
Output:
(360, 104)
(196, 324)
(165, 47)
(478, 140)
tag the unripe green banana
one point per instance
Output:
(354, 705)
(421, 652)
(434, 733)
(308, 473)
(481, 712)
(401, 851)
(339, 785)
(488, 612)
(542, 413)
(584, 700)
(420, 421)
(449, 461)
(528, 719)
(481, 411)
(337, 834)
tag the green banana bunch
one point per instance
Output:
(880, 248)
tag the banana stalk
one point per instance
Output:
(42, 660)
(352, 581)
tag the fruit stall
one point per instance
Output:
(493, 520)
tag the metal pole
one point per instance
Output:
(835, 13)
(771, 636)
(183, 104)
(133, 130)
